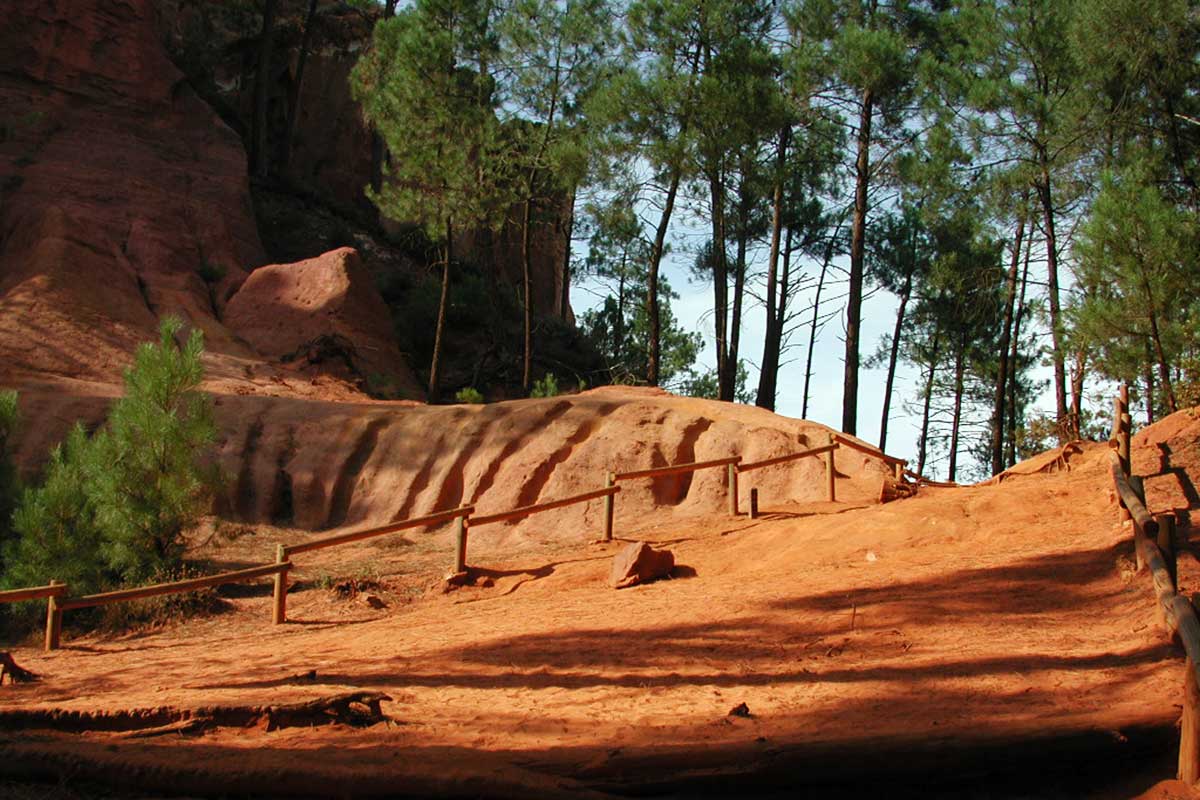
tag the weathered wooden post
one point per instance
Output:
(754, 504)
(1166, 544)
(279, 607)
(1189, 729)
(732, 481)
(830, 475)
(53, 620)
(609, 481)
(460, 543)
(1139, 489)
(898, 470)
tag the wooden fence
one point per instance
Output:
(56, 593)
(1154, 544)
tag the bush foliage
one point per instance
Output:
(113, 507)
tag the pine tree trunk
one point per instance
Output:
(294, 106)
(431, 395)
(857, 235)
(527, 283)
(1148, 380)
(259, 160)
(959, 367)
(739, 286)
(619, 322)
(720, 268)
(893, 357)
(1164, 370)
(1077, 375)
(923, 442)
(1060, 378)
(1005, 337)
(660, 238)
(772, 340)
(812, 330)
(1013, 353)
(564, 307)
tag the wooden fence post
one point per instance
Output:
(1139, 488)
(1166, 544)
(732, 479)
(754, 504)
(609, 482)
(53, 620)
(460, 543)
(830, 475)
(1189, 729)
(279, 608)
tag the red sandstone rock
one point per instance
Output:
(640, 563)
(323, 310)
(117, 184)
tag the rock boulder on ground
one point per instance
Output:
(325, 312)
(640, 563)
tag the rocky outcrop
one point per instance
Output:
(122, 195)
(215, 43)
(323, 311)
(640, 563)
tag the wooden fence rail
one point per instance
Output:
(537, 508)
(675, 469)
(55, 606)
(56, 594)
(770, 462)
(33, 593)
(382, 530)
(1176, 612)
(897, 464)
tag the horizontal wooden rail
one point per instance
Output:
(525, 511)
(1179, 616)
(871, 451)
(1129, 498)
(370, 533)
(33, 593)
(190, 585)
(770, 462)
(658, 472)
(923, 481)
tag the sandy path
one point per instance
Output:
(958, 621)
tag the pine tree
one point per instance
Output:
(552, 53)
(427, 87)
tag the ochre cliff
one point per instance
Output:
(125, 198)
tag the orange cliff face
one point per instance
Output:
(125, 198)
(118, 185)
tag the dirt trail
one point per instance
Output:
(988, 624)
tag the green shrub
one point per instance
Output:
(150, 483)
(164, 609)
(9, 485)
(469, 395)
(546, 387)
(114, 507)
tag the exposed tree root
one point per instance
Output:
(15, 674)
(349, 708)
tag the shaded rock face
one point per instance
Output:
(326, 308)
(216, 43)
(640, 563)
(122, 195)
